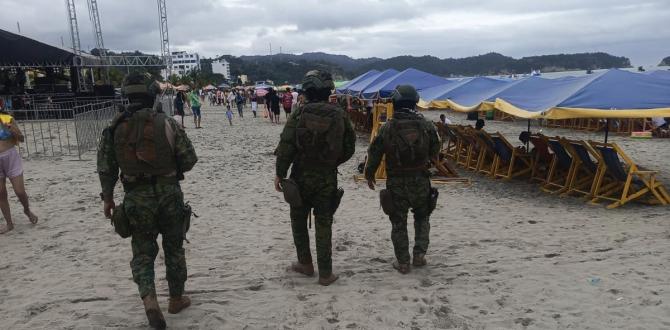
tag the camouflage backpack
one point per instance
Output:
(142, 146)
(406, 144)
(319, 135)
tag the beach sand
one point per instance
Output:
(503, 255)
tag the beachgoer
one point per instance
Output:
(230, 100)
(153, 203)
(314, 157)
(11, 167)
(194, 103)
(295, 95)
(444, 119)
(287, 101)
(659, 123)
(274, 105)
(409, 142)
(179, 101)
(239, 100)
(254, 103)
(479, 124)
(229, 115)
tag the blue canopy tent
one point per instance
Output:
(663, 74)
(471, 94)
(610, 94)
(419, 79)
(431, 94)
(357, 88)
(343, 88)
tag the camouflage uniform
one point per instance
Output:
(318, 187)
(154, 206)
(408, 190)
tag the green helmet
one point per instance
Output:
(405, 93)
(318, 80)
(136, 83)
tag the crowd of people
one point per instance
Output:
(236, 100)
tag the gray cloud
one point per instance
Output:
(364, 28)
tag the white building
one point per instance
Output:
(221, 67)
(183, 62)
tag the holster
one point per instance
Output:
(337, 199)
(386, 201)
(432, 203)
(291, 192)
(120, 221)
(186, 217)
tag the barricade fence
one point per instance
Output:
(56, 131)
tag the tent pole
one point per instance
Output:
(528, 142)
(607, 129)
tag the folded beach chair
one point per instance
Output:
(560, 169)
(510, 162)
(475, 150)
(464, 148)
(585, 162)
(541, 158)
(450, 138)
(628, 181)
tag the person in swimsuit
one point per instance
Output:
(11, 168)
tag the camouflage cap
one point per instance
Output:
(405, 93)
(317, 79)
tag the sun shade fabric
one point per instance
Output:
(469, 94)
(419, 79)
(342, 89)
(358, 87)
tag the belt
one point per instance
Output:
(134, 180)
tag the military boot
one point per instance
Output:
(305, 269)
(177, 304)
(419, 260)
(328, 279)
(401, 268)
(153, 311)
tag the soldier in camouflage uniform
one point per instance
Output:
(152, 151)
(317, 138)
(409, 142)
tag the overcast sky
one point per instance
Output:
(638, 29)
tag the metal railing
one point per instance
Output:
(69, 128)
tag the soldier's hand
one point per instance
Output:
(108, 207)
(371, 183)
(277, 184)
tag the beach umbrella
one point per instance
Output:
(209, 87)
(182, 88)
(261, 92)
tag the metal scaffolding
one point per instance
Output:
(165, 40)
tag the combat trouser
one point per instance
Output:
(409, 192)
(317, 190)
(155, 209)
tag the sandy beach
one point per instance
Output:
(503, 255)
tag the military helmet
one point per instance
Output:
(318, 80)
(405, 93)
(137, 83)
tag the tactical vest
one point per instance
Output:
(141, 145)
(319, 135)
(406, 145)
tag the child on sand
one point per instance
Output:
(11, 168)
(229, 115)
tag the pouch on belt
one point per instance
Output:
(121, 222)
(386, 201)
(291, 192)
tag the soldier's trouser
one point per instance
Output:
(317, 191)
(152, 210)
(414, 193)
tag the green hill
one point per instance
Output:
(290, 67)
(665, 62)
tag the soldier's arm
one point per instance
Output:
(107, 165)
(184, 150)
(349, 143)
(286, 150)
(375, 154)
